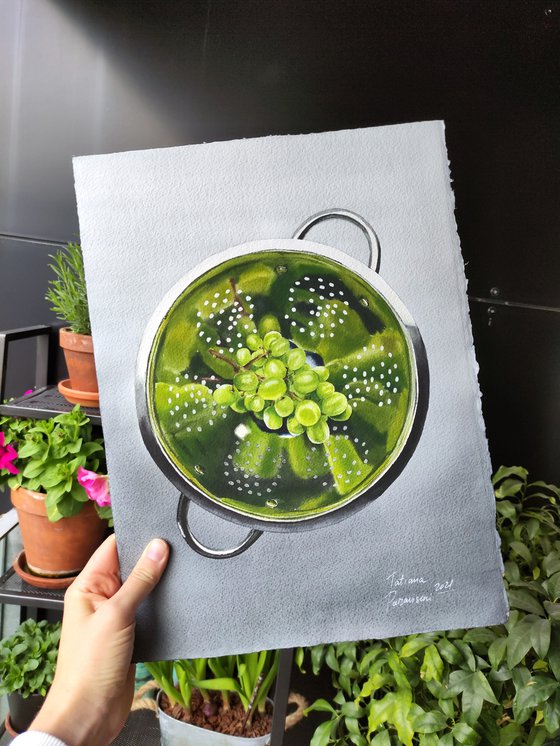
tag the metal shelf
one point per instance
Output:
(141, 729)
(44, 403)
(14, 590)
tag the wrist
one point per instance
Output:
(74, 725)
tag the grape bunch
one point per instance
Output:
(273, 381)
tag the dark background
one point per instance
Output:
(85, 76)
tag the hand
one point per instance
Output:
(93, 686)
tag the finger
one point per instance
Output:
(101, 574)
(143, 579)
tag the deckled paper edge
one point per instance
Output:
(486, 465)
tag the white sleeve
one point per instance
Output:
(36, 738)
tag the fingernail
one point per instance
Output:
(156, 550)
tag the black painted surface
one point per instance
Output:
(93, 76)
(519, 358)
(24, 274)
(86, 77)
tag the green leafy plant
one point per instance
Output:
(49, 455)
(67, 292)
(248, 677)
(28, 658)
(497, 686)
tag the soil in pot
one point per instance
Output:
(214, 717)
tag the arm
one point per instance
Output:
(93, 686)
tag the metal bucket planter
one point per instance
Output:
(345, 320)
(178, 733)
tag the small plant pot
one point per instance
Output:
(78, 353)
(178, 733)
(56, 549)
(22, 711)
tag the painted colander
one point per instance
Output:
(282, 385)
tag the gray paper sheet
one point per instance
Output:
(425, 554)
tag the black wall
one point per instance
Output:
(86, 76)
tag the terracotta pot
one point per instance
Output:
(78, 353)
(56, 548)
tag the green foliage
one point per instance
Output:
(50, 452)
(28, 658)
(494, 686)
(67, 293)
(248, 676)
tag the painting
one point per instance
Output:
(290, 399)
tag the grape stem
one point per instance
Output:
(228, 360)
(237, 297)
(213, 379)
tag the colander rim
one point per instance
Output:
(398, 458)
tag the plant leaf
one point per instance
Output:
(540, 636)
(429, 722)
(537, 690)
(322, 734)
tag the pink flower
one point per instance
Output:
(29, 391)
(96, 486)
(7, 455)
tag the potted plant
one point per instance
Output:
(27, 665)
(44, 462)
(68, 297)
(221, 701)
(497, 686)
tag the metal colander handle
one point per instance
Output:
(351, 217)
(194, 543)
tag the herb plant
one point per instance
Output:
(248, 676)
(67, 292)
(497, 686)
(28, 658)
(49, 456)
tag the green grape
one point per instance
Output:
(239, 406)
(334, 405)
(274, 368)
(305, 382)
(254, 342)
(224, 395)
(279, 347)
(268, 323)
(308, 413)
(294, 427)
(272, 419)
(243, 355)
(284, 406)
(258, 415)
(322, 372)
(295, 358)
(254, 403)
(318, 433)
(325, 389)
(245, 325)
(272, 389)
(269, 338)
(344, 416)
(246, 381)
(259, 362)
